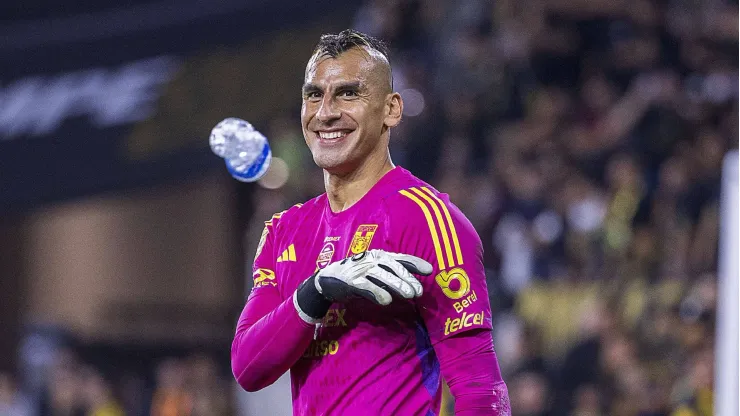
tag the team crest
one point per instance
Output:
(325, 255)
(362, 239)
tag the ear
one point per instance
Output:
(394, 110)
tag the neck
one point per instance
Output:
(344, 190)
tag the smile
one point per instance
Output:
(329, 135)
(333, 135)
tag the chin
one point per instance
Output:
(328, 160)
(333, 166)
(326, 163)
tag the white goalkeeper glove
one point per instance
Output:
(375, 275)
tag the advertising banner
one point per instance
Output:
(92, 101)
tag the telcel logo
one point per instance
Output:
(465, 321)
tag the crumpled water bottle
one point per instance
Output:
(245, 150)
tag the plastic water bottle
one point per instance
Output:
(245, 150)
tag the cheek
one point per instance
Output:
(372, 120)
(303, 114)
(367, 118)
(305, 118)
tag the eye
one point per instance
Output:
(348, 93)
(312, 95)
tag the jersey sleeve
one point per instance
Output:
(270, 336)
(425, 224)
(470, 367)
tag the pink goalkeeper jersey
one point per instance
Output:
(365, 359)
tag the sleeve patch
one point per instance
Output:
(455, 283)
(264, 277)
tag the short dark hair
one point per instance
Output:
(335, 44)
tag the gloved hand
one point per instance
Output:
(375, 275)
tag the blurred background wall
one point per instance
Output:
(583, 138)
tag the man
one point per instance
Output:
(333, 302)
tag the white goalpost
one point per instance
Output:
(727, 390)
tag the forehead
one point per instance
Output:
(355, 64)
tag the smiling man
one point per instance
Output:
(364, 329)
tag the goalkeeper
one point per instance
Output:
(373, 292)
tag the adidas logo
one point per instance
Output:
(288, 254)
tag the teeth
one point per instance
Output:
(331, 135)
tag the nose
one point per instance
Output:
(328, 110)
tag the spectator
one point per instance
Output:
(12, 402)
(171, 397)
(64, 395)
(98, 395)
(210, 394)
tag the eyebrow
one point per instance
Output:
(309, 88)
(351, 86)
(346, 86)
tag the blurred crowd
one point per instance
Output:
(189, 386)
(584, 139)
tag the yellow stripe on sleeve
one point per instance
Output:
(430, 223)
(277, 215)
(453, 231)
(442, 227)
